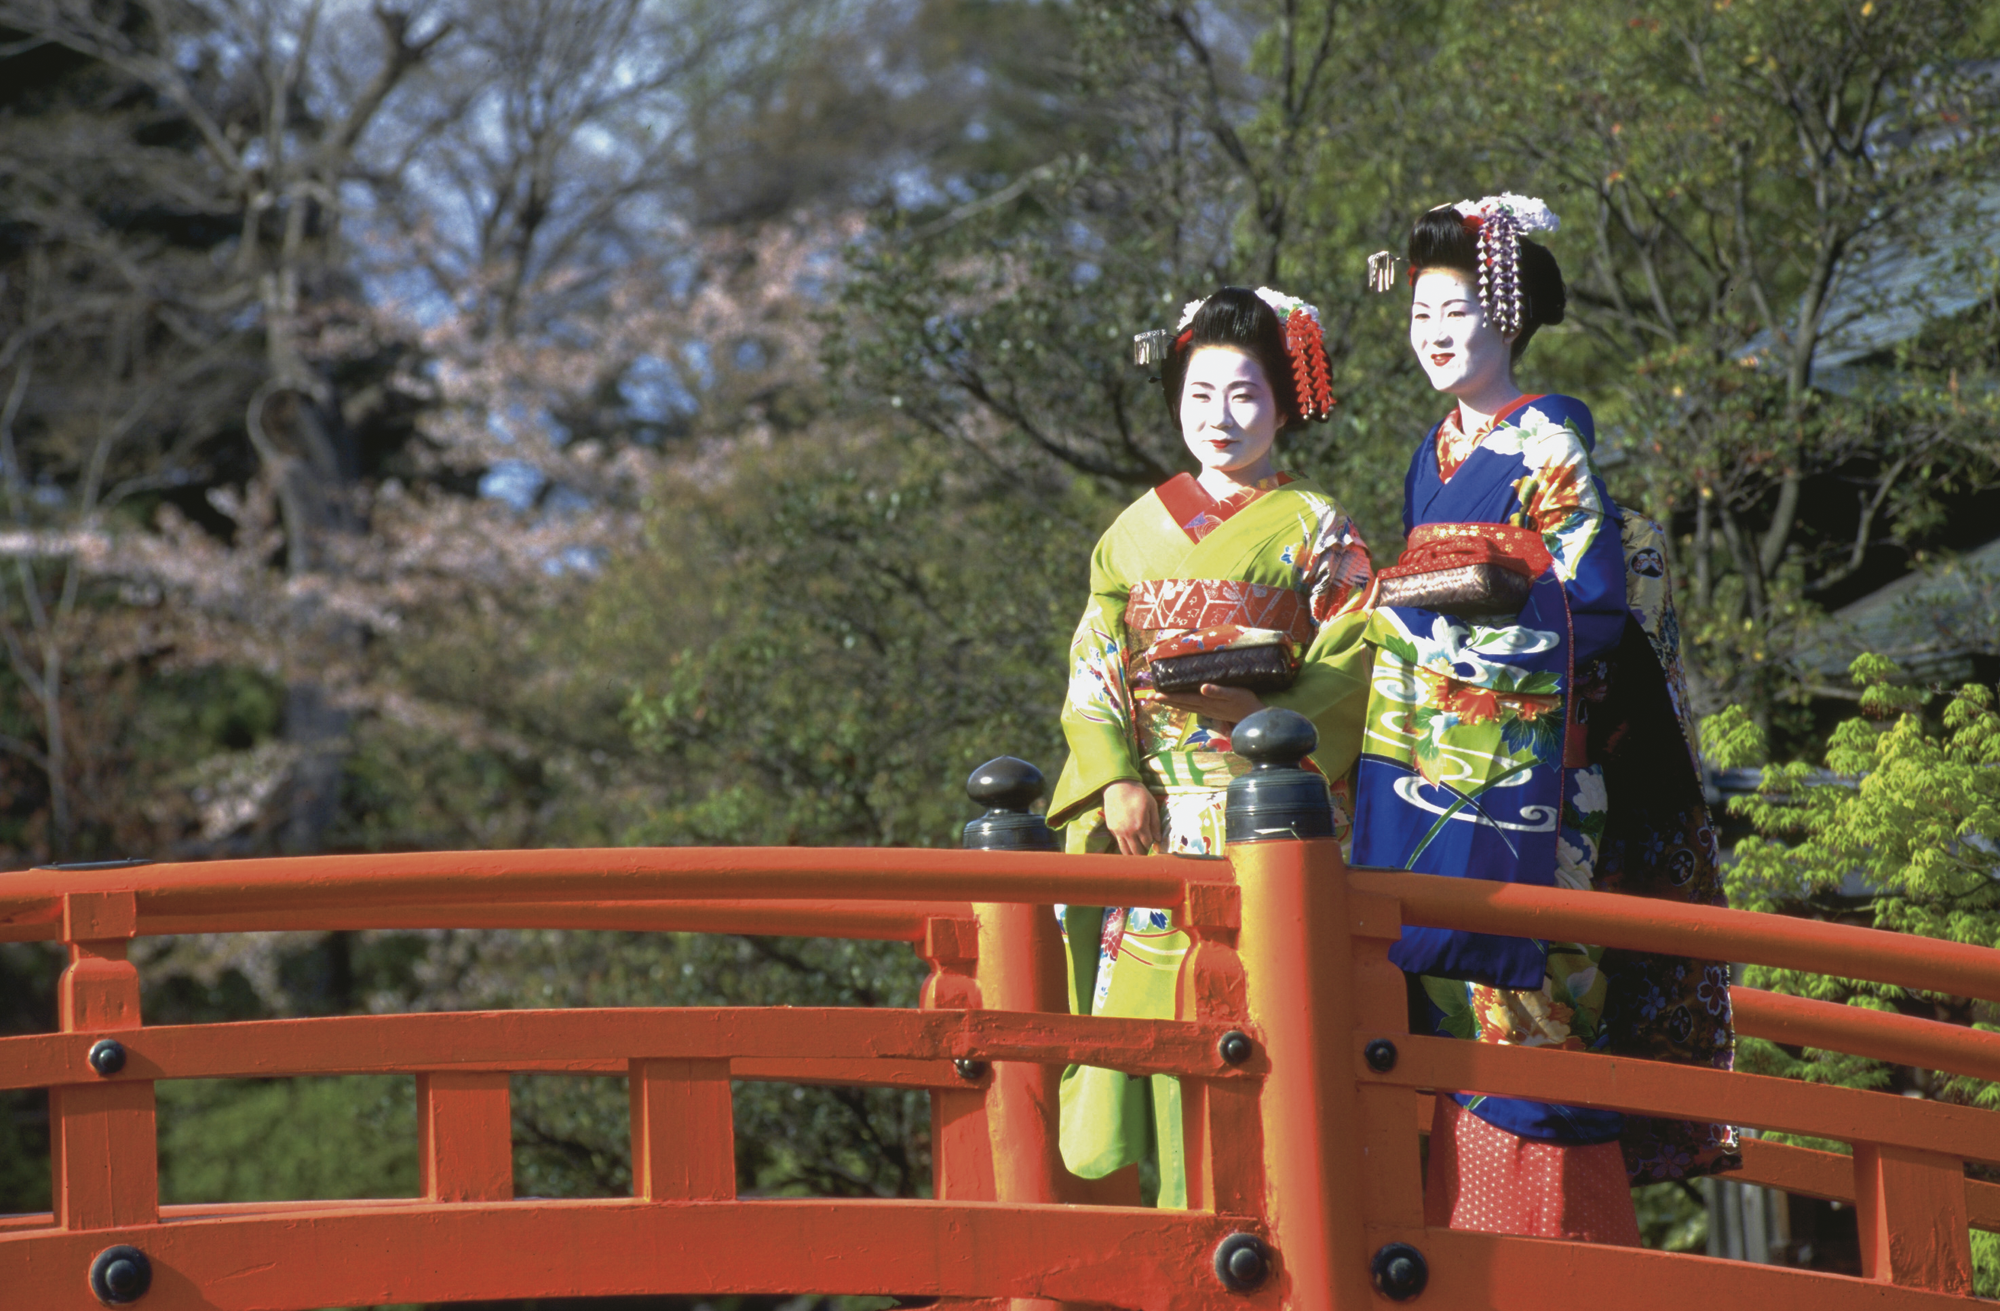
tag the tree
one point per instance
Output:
(509, 392)
(1899, 830)
(1003, 323)
(1744, 184)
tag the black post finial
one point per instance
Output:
(1007, 787)
(1277, 798)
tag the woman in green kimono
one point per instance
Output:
(1237, 558)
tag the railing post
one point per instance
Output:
(465, 1136)
(1392, 1187)
(1910, 1208)
(1020, 969)
(1299, 984)
(104, 1148)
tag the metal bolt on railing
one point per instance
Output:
(1400, 1271)
(1242, 1262)
(1380, 1055)
(107, 1056)
(1234, 1047)
(120, 1275)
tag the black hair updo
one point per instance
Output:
(1440, 240)
(1236, 317)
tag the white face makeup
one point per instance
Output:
(1229, 417)
(1449, 333)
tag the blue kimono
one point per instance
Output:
(1474, 761)
(1537, 749)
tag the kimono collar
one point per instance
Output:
(1197, 513)
(1455, 445)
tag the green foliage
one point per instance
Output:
(1005, 325)
(1733, 180)
(287, 1139)
(1908, 812)
(873, 624)
(1899, 831)
(1673, 1216)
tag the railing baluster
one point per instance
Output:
(1910, 1207)
(465, 1136)
(961, 1144)
(1223, 1149)
(683, 1131)
(1392, 1171)
(104, 1149)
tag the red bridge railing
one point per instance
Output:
(1303, 1153)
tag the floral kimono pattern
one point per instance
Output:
(1529, 750)
(1282, 562)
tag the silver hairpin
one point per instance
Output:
(1150, 348)
(1382, 271)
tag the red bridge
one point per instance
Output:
(1304, 1092)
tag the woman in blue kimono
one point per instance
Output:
(1526, 672)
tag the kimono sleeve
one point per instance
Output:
(1332, 685)
(1563, 499)
(1097, 710)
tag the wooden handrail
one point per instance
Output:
(1858, 1031)
(884, 921)
(1829, 1175)
(1686, 1092)
(1704, 932)
(314, 884)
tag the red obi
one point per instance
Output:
(1438, 546)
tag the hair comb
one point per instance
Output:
(1382, 271)
(1150, 348)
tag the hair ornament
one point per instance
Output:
(1305, 346)
(1150, 347)
(1305, 342)
(1382, 270)
(1529, 212)
(1500, 220)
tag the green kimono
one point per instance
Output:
(1177, 571)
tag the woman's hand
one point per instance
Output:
(1132, 816)
(1227, 705)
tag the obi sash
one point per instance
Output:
(1192, 603)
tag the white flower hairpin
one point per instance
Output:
(1531, 213)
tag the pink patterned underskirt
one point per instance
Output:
(1484, 1179)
